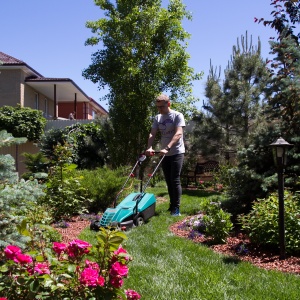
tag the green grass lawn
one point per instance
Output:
(167, 267)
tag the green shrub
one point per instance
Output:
(103, 186)
(262, 222)
(64, 191)
(22, 122)
(215, 220)
(17, 201)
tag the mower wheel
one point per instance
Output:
(139, 221)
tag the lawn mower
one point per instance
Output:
(134, 210)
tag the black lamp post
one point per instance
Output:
(280, 156)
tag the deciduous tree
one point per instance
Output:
(143, 53)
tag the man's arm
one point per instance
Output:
(151, 140)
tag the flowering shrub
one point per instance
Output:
(211, 221)
(76, 270)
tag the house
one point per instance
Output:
(56, 97)
(21, 85)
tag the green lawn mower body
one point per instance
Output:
(135, 209)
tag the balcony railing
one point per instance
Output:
(57, 124)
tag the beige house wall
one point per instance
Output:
(14, 90)
(10, 87)
(16, 151)
(30, 96)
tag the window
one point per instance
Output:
(36, 101)
(46, 107)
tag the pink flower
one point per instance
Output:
(23, 259)
(42, 268)
(120, 250)
(116, 281)
(118, 269)
(91, 264)
(59, 247)
(89, 277)
(11, 251)
(132, 295)
(100, 281)
(3, 298)
(78, 248)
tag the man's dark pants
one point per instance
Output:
(172, 166)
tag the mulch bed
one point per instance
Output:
(261, 258)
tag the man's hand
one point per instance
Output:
(163, 152)
(149, 151)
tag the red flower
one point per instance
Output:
(11, 251)
(78, 248)
(132, 295)
(118, 269)
(116, 282)
(59, 247)
(89, 277)
(22, 259)
(93, 265)
(100, 281)
(42, 268)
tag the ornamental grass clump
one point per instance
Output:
(76, 270)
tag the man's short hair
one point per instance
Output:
(162, 97)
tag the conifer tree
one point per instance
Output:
(235, 107)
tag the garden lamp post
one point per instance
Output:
(280, 157)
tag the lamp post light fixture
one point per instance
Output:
(280, 148)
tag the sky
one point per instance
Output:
(49, 36)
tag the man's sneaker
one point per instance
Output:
(175, 212)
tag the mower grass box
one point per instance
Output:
(138, 207)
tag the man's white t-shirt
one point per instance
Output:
(167, 125)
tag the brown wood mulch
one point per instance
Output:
(261, 258)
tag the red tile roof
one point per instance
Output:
(7, 59)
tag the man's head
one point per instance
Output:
(163, 104)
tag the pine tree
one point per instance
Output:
(235, 107)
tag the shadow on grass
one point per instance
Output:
(231, 260)
(199, 193)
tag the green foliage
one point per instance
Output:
(216, 221)
(143, 53)
(22, 122)
(103, 186)
(16, 201)
(68, 271)
(37, 164)
(262, 222)
(8, 172)
(88, 143)
(64, 191)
